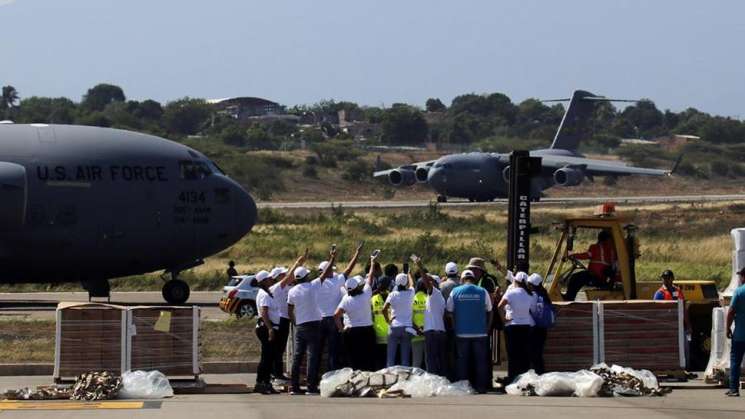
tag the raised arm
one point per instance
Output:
(330, 265)
(291, 272)
(370, 273)
(353, 261)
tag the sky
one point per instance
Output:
(678, 53)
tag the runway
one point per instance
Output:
(545, 201)
(41, 305)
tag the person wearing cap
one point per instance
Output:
(418, 308)
(452, 280)
(267, 328)
(469, 307)
(380, 324)
(544, 318)
(488, 282)
(519, 304)
(306, 317)
(282, 284)
(398, 313)
(435, 337)
(601, 269)
(330, 292)
(357, 326)
(736, 315)
(668, 291)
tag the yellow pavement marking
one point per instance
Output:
(65, 405)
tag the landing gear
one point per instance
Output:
(98, 289)
(176, 291)
(442, 198)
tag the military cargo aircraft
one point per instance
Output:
(88, 204)
(484, 176)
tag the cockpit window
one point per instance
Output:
(215, 168)
(194, 170)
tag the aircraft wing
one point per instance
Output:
(600, 167)
(411, 166)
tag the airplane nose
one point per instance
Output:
(246, 212)
(437, 179)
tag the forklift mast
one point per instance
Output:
(522, 169)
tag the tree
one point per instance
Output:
(186, 116)
(47, 110)
(8, 102)
(403, 124)
(234, 135)
(101, 95)
(435, 105)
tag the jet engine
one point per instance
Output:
(506, 174)
(567, 176)
(402, 177)
(421, 173)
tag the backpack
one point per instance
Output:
(545, 315)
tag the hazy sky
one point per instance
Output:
(677, 53)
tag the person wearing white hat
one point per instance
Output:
(519, 304)
(282, 284)
(452, 280)
(470, 308)
(355, 309)
(305, 315)
(398, 312)
(435, 336)
(544, 317)
(330, 292)
(266, 330)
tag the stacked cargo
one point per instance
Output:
(572, 343)
(105, 337)
(637, 334)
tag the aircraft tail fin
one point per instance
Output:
(574, 125)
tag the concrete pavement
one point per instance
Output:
(678, 404)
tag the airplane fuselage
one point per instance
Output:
(87, 204)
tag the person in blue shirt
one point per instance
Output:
(469, 307)
(736, 315)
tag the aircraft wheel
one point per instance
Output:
(442, 198)
(176, 291)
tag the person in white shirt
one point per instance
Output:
(435, 336)
(306, 317)
(282, 284)
(398, 312)
(519, 304)
(330, 292)
(266, 330)
(356, 328)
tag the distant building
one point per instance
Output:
(245, 108)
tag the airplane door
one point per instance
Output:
(13, 196)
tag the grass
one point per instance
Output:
(33, 341)
(693, 240)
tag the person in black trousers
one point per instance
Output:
(267, 329)
(544, 319)
(519, 304)
(354, 320)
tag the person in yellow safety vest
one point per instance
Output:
(419, 305)
(379, 323)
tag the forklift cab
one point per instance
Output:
(563, 267)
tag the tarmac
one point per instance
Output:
(42, 305)
(681, 403)
(544, 201)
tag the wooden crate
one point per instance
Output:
(89, 337)
(571, 344)
(174, 351)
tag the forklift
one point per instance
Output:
(701, 296)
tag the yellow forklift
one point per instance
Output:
(700, 295)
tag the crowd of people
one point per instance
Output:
(387, 316)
